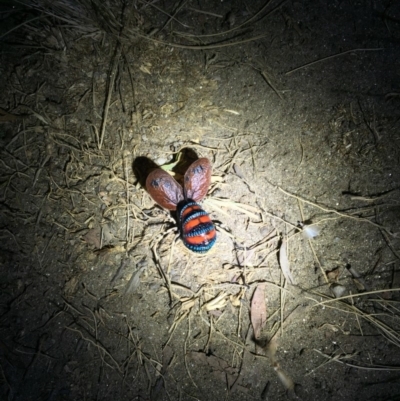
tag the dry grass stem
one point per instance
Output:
(333, 56)
(341, 214)
(339, 358)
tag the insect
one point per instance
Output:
(196, 228)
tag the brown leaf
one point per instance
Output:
(92, 237)
(70, 286)
(258, 310)
(333, 275)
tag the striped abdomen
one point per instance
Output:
(197, 230)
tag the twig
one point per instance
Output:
(325, 209)
(388, 332)
(268, 81)
(311, 245)
(37, 354)
(39, 170)
(205, 12)
(9, 390)
(337, 358)
(22, 24)
(199, 47)
(253, 17)
(332, 56)
(100, 347)
(13, 236)
(362, 294)
(185, 353)
(110, 88)
(172, 17)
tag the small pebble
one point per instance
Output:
(161, 160)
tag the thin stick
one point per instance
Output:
(117, 56)
(282, 297)
(311, 245)
(99, 346)
(204, 47)
(362, 294)
(171, 17)
(333, 56)
(39, 170)
(185, 353)
(9, 390)
(325, 209)
(317, 260)
(37, 353)
(279, 218)
(269, 82)
(162, 273)
(253, 17)
(337, 359)
(127, 199)
(205, 12)
(24, 23)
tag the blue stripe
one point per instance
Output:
(199, 229)
(201, 248)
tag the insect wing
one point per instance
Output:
(197, 179)
(164, 189)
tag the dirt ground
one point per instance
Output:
(297, 107)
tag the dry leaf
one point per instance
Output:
(144, 69)
(238, 171)
(357, 278)
(258, 310)
(159, 389)
(105, 198)
(92, 237)
(232, 112)
(285, 379)
(216, 303)
(237, 298)
(70, 286)
(187, 304)
(333, 275)
(284, 263)
(134, 281)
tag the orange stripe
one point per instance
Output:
(189, 225)
(190, 209)
(200, 239)
(211, 234)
